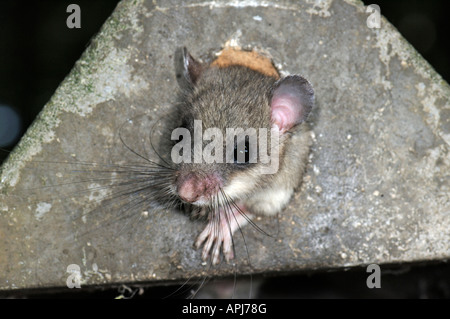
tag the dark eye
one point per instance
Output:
(244, 149)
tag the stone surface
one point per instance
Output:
(377, 186)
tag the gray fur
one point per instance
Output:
(234, 97)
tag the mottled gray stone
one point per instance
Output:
(377, 185)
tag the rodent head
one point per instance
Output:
(223, 99)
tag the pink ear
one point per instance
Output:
(292, 101)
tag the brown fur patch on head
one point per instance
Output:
(251, 59)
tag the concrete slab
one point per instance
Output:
(377, 186)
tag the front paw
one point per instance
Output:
(216, 236)
(218, 233)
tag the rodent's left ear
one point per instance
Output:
(187, 69)
(292, 101)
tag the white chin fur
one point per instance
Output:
(201, 202)
(238, 187)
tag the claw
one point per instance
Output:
(218, 235)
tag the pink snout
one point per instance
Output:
(192, 187)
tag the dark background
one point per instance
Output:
(37, 51)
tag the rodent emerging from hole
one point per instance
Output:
(238, 90)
